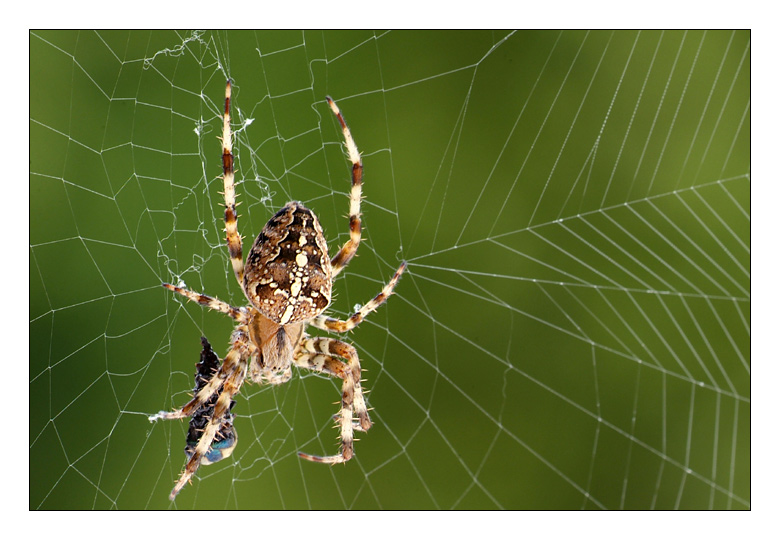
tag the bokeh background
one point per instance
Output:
(573, 329)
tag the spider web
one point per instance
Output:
(573, 330)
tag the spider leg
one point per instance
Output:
(204, 394)
(320, 354)
(345, 254)
(329, 323)
(226, 439)
(199, 399)
(211, 303)
(228, 179)
(236, 357)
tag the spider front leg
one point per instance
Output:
(213, 385)
(237, 357)
(200, 398)
(226, 438)
(320, 354)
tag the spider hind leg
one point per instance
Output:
(233, 239)
(348, 250)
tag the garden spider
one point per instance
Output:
(287, 279)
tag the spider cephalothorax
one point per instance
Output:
(288, 280)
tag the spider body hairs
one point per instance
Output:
(288, 280)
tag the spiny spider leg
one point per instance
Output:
(329, 323)
(345, 254)
(231, 217)
(319, 354)
(239, 314)
(201, 397)
(237, 358)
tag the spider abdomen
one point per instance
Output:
(288, 272)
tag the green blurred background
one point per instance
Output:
(572, 332)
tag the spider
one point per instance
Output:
(287, 278)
